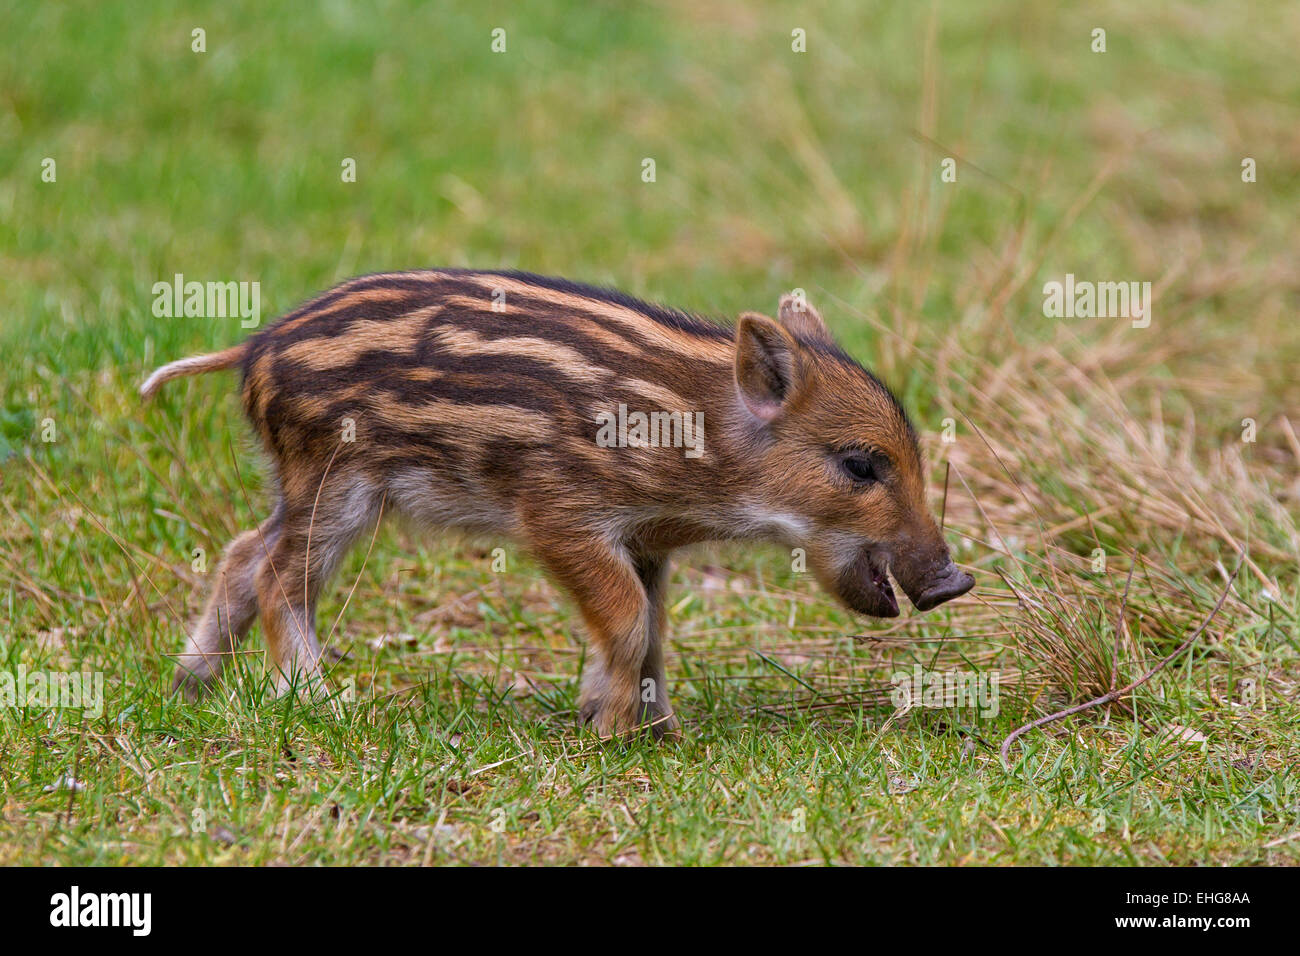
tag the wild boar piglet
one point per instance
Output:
(597, 431)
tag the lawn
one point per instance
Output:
(1103, 478)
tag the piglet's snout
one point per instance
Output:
(949, 583)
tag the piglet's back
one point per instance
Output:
(479, 374)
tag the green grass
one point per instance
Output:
(454, 736)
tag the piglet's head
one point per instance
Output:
(836, 467)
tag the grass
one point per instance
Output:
(454, 739)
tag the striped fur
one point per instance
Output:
(475, 400)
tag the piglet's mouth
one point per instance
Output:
(864, 586)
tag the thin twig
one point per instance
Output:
(1119, 624)
(943, 510)
(306, 561)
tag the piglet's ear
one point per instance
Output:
(798, 315)
(768, 365)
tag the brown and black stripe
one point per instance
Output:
(474, 372)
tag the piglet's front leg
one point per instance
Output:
(622, 625)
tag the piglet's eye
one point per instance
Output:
(859, 468)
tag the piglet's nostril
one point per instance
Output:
(954, 583)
